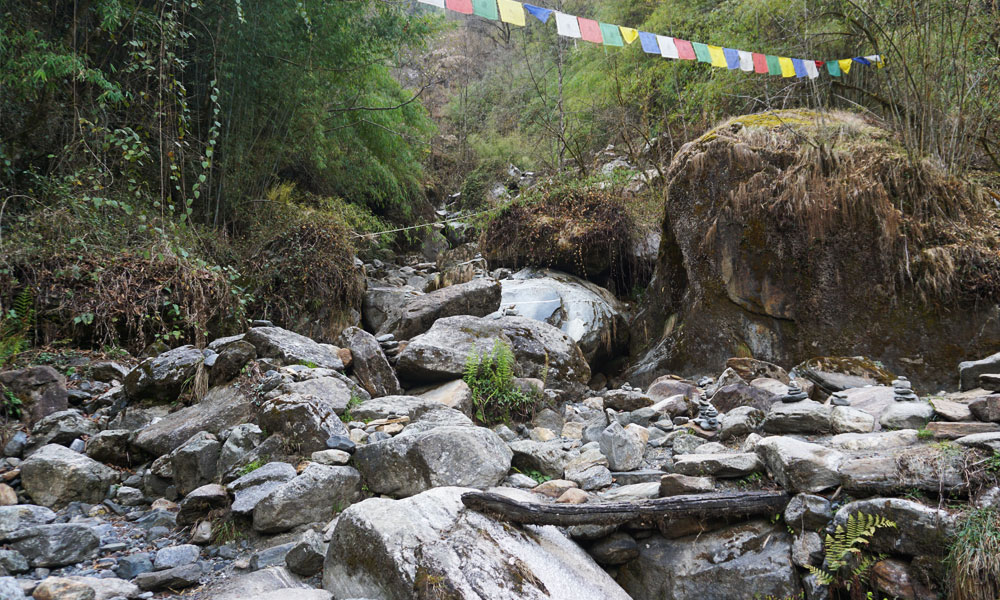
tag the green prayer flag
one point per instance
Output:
(701, 51)
(486, 9)
(773, 65)
(833, 68)
(612, 36)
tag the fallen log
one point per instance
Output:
(641, 514)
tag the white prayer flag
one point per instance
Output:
(437, 3)
(668, 49)
(746, 61)
(567, 25)
(811, 69)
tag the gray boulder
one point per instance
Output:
(907, 415)
(441, 352)
(292, 348)
(589, 470)
(307, 555)
(623, 448)
(54, 476)
(730, 397)
(477, 298)
(62, 428)
(920, 530)
(256, 485)
(22, 516)
(431, 546)
(112, 446)
(176, 556)
(230, 361)
(202, 501)
(195, 462)
(806, 416)
(970, 370)
(56, 545)
(740, 421)
(172, 579)
(538, 345)
(10, 589)
(163, 377)
(808, 512)
(383, 303)
(221, 408)
(369, 363)
(750, 560)
(548, 458)
(317, 494)
(845, 419)
(305, 422)
(717, 465)
(800, 466)
(240, 441)
(444, 456)
(41, 390)
(626, 400)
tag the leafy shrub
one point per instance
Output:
(15, 326)
(845, 563)
(495, 396)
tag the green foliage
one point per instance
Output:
(226, 532)
(992, 463)
(10, 405)
(846, 564)
(16, 326)
(495, 396)
(974, 557)
(538, 476)
(251, 467)
(925, 434)
(354, 402)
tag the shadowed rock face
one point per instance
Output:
(775, 250)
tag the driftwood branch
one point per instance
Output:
(651, 512)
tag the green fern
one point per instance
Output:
(845, 562)
(16, 326)
(495, 396)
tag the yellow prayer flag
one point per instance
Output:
(630, 35)
(511, 12)
(845, 65)
(787, 68)
(718, 57)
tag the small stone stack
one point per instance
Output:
(839, 399)
(708, 416)
(903, 390)
(794, 394)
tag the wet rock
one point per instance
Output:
(221, 408)
(800, 466)
(317, 494)
(55, 476)
(616, 549)
(431, 545)
(55, 545)
(293, 349)
(587, 313)
(163, 377)
(717, 465)
(409, 464)
(476, 298)
(743, 561)
(42, 391)
(370, 365)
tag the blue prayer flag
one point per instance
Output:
(649, 43)
(863, 60)
(542, 14)
(800, 67)
(732, 58)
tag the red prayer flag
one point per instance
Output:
(590, 30)
(462, 6)
(685, 51)
(760, 63)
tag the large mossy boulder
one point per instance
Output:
(795, 234)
